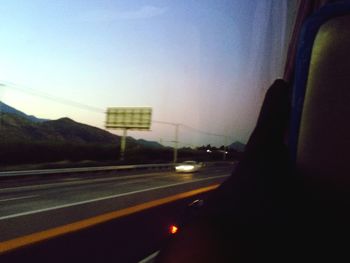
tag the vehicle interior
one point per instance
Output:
(286, 198)
(309, 221)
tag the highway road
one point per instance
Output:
(30, 206)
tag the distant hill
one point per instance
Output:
(149, 144)
(237, 146)
(66, 129)
(27, 142)
(16, 126)
(4, 108)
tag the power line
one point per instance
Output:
(53, 98)
(96, 109)
(166, 122)
(193, 129)
(204, 132)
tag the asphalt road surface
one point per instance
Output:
(126, 239)
(32, 205)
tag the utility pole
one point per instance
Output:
(176, 141)
(225, 145)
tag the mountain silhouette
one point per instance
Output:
(237, 146)
(4, 108)
(16, 126)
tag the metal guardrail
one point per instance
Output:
(83, 169)
(94, 169)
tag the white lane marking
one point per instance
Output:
(134, 182)
(105, 198)
(83, 181)
(71, 179)
(17, 198)
(150, 258)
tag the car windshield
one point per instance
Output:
(100, 99)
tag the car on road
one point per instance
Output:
(188, 167)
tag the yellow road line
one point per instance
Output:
(30, 239)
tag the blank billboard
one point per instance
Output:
(131, 118)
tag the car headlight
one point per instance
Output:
(184, 167)
(188, 167)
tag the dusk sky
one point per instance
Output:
(199, 63)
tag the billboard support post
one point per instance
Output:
(128, 118)
(123, 144)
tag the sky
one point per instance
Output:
(205, 64)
